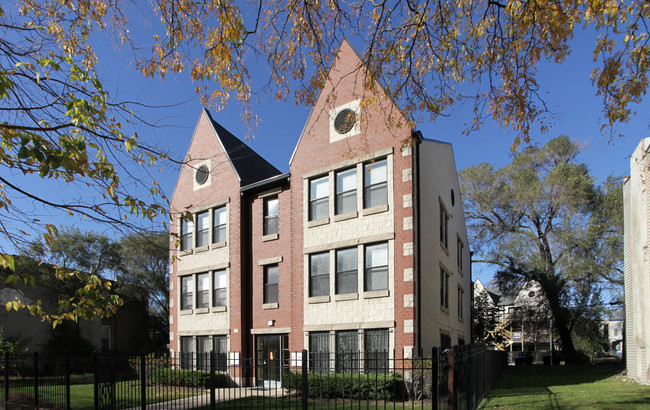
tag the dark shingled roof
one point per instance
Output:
(248, 164)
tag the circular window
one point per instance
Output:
(202, 174)
(531, 294)
(453, 197)
(344, 121)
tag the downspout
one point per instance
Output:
(247, 279)
(416, 138)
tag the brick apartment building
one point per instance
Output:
(361, 247)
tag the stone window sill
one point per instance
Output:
(346, 216)
(318, 222)
(375, 210)
(218, 245)
(270, 237)
(371, 294)
(318, 299)
(201, 249)
(270, 306)
(216, 309)
(186, 252)
(346, 296)
(202, 310)
(187, 312)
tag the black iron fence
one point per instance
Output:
(457, 378)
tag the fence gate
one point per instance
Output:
(105, 378)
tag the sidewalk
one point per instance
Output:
(221, 395)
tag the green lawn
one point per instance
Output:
(567, 387)
(283, 403)
(127, 394)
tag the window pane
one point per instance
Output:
(202, 228)
(319, 283)
(187, 352)
(319, 188)
(219, 296)
(187, 230)
(318, 199)
(220, 346)
(319, 351)
(346, 191)
(271, 210)
(347, 351)
(219, 225)
(376, 267)
(202, 290)
(187, 285)
(346, 271)
(377, 344)
(271, 284)
(375, 184)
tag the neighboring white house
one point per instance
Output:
(636, 213)
(523, 320)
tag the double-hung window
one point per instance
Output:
(375, 185)
(376, 269)
(187, 231)
(220, 287)
(187, 352)
(271, 210)
(460, 303)
(271, 284)
(444, 288)
(347, 351)
(203, 348)
(346, 271)
(319, 198)
(219, 222)
(319, 274)
(376, 350)
(319, 352)
(444, 226)
(187, 292)
(220, 347)
(460, 247)
(346, 191)
(202, 228)
(202, 290)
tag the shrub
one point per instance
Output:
(419, 381)
(350, 386)
(187, 378)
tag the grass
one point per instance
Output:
(82, 396)
(598, 386)
(257, 402)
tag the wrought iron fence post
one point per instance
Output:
(6, 395)
(213, 382)
(304, 379)
(450, 380)
(67, 380)
(96, 384)
(143, 380)
(36, 379)
(434, 378)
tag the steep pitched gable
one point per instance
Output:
(249, 165)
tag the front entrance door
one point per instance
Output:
(271, 356)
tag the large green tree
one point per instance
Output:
(145, 266)
(544, 218)
(60, 124)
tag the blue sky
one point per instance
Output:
(567, 88)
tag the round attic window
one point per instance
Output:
(344, 121)
(202, 174)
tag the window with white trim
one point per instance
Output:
(375, 183)
(271, 283)
(202, 228)
(220, 288)
(346, 191)
(187, 292)
(444, 288)
(187, 234)
(444, 226)
(376, 267)
(346, 271)
(219, 224)
(202, 290)
(319, 274)
(319, 198)
(271, 211)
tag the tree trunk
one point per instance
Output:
(562, 326)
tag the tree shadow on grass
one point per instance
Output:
(544, 376)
